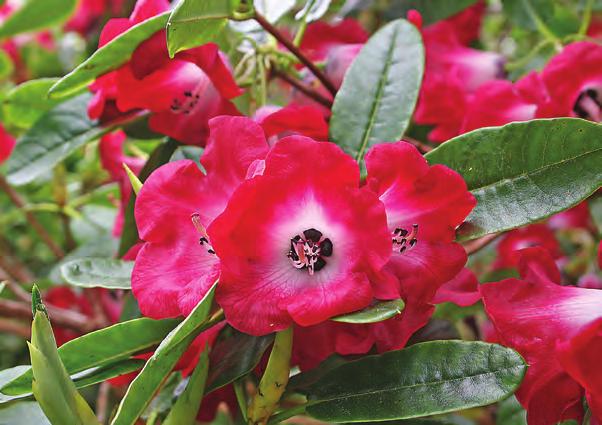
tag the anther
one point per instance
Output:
(308, 249)
(403, 239)
(204, 239)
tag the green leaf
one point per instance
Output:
(510, 412)
(105, 346)
(185, 410)
(52, 386)
(524, 172)
(6, 65)
(424, 379)
(98, 273)
(23, 413)
(313, 10)
(6, 376)
(431, 10)
(160, 156)
(27, 102)
(53, 137)
(109, 57)
(36, 15)
(195, 22)
(375, 313)
(234, 357)
(143, 387)
(100, 374)
(379, 92)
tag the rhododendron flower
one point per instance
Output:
(299, 243)
(453, 73)
(90, 12)
(577, 217)
(510, 246)
(305, 120)
(182, 93)
(558, 331)
(177, 264)
(7, 144)
(424, 206)
(112, 159)
(581, 94)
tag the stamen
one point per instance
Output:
(588, 105)
(404, 240)
(308, 249)
(204, 239)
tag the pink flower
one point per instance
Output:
(579, 95)
(90, 12)
(510, 246)
(424, 206)
(299, 243)
(557, 329)
(453, 73)
(177, 264)
(112, 159)
(7, 144)
(305, 120)
(182, 93)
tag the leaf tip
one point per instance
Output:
(134, 180)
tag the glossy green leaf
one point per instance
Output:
(375, 313)
(510, 412)
(313, 10)
(524, 172)
(6, 376)
(185, 409)
(430, 10)
(143, 387)
(26, 103)
(160, 156)
(424, 379)
(98, 273)
(379, 92)
(36, 15)
(195, 22)
(105, 346)
(53, 137)
(52, 386)
(101, 374)
(109, 57)
(23, 413)
(234, 357)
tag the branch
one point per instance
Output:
(15, 328)
(295, 51)
(33, 221)
(477, 244)
(422, 147)
(303, 88)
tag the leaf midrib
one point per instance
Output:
(528, 173)
(382, 82)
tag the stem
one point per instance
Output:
(241, 398)
(102, 401)
(286, 414)
(15, 328)
(519, 63)
(60, 197)
(477, 244)
(309, 92)
(31, 219)
(540, 25)
(295, 51)
(422, 147)
(274, 380)
(587, 17)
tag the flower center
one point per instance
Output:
(589, 105)
(204, 239)
(403, 239)
(308, 250)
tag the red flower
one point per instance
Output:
(577, 217)
(462, 290)
(177, 264)
(321, 38)
(551, 326)
(7, 144)
(424, 205)
(305, 120)
(299, 243)
(509, 248)
(577, 96)
(452, 75)
(90, 12)
(182, 93)
(112, 159)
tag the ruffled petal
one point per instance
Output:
(462, 290)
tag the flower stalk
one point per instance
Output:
(274, 380)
